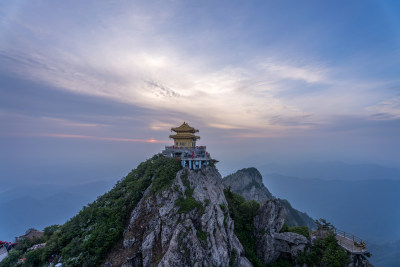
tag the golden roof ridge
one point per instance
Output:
(185, 127)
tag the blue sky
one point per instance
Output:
(91, 88)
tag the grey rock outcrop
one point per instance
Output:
(290, 244)
(270, 244)
(3, 253)
(160, 233)
(248, 183)
(271, 217)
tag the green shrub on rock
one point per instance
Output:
(243, 213)
(325, 252)
(301, 230)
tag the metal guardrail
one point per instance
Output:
(186, 153)
(350, 241)
(183, 147)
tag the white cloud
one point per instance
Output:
(314, 73)
(225, 96)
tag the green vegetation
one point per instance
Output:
(201, 235)
(322, 224)
(33, 258)
(325, 252)
(243, 213)
(234, 257)
(85, 239)
(301, 230)
(188, 203)
(212, 163)
(165, 174)
(281, 263)
(12, 258)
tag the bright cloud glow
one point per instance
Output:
(77, 136)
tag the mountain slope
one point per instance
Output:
(296, 217)
(248, 183)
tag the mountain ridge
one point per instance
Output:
(248, 182)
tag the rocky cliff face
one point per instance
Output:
(248, 183)
(270, 243)
(183, 225)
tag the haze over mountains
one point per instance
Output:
(42, 205)
(333, 170)
(366, 208)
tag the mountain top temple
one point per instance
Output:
(192, 156)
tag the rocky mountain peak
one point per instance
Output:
(248, 183)
(185, 224)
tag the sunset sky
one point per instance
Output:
(88, 89)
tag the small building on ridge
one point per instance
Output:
(185, 148)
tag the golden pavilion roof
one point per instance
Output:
(184, 136)
(184, 128)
